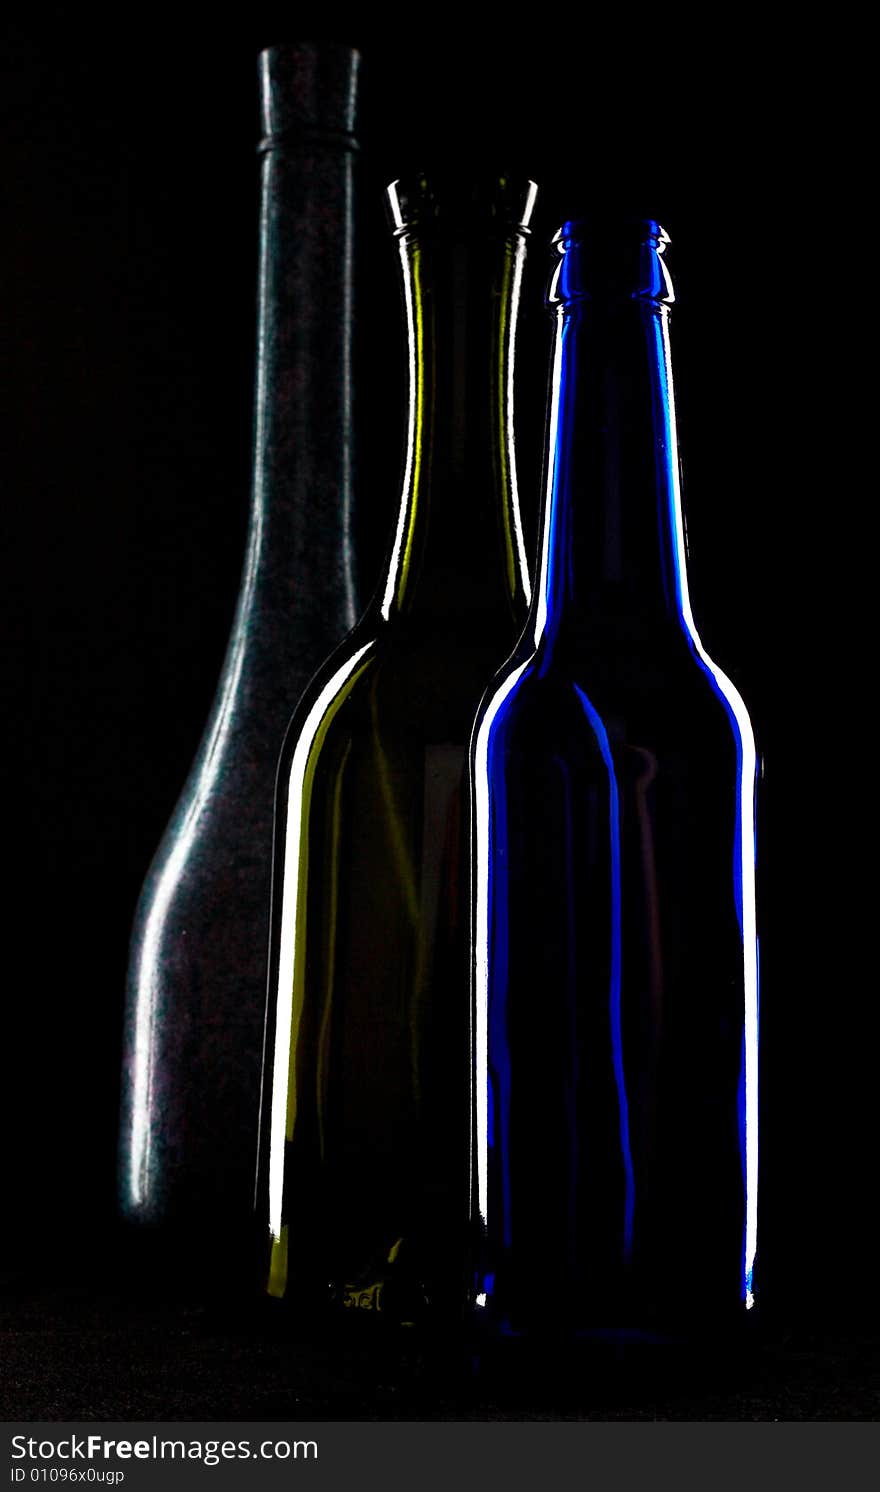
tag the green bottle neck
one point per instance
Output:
(458, 544)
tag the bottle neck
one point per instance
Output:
(458, 540)
(302, 504)
(611, 555)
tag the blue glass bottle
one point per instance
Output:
(615, 974)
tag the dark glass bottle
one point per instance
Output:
(364, 1134)
(197, 974)
(615, 969)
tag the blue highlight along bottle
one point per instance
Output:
(614, 945)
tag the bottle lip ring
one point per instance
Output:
(301, 135)
(604, 228)
(610, 258)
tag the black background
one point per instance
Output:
(128, 265)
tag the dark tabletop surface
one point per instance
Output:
(76, 1354)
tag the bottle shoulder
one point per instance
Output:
(419, 682)
(667, 691)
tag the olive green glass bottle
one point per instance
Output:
(362, 1192)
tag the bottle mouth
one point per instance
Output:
(611, 258)
(455, 203)
(308, 91)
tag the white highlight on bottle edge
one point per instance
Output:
(481, 936)
(289, 912)
(412, 420)
(519, 259)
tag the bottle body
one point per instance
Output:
(615, 953)
(370, 1054)
(613, 1175)
(196, 983)
(364, 1132)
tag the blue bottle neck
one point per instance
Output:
(611, 555)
